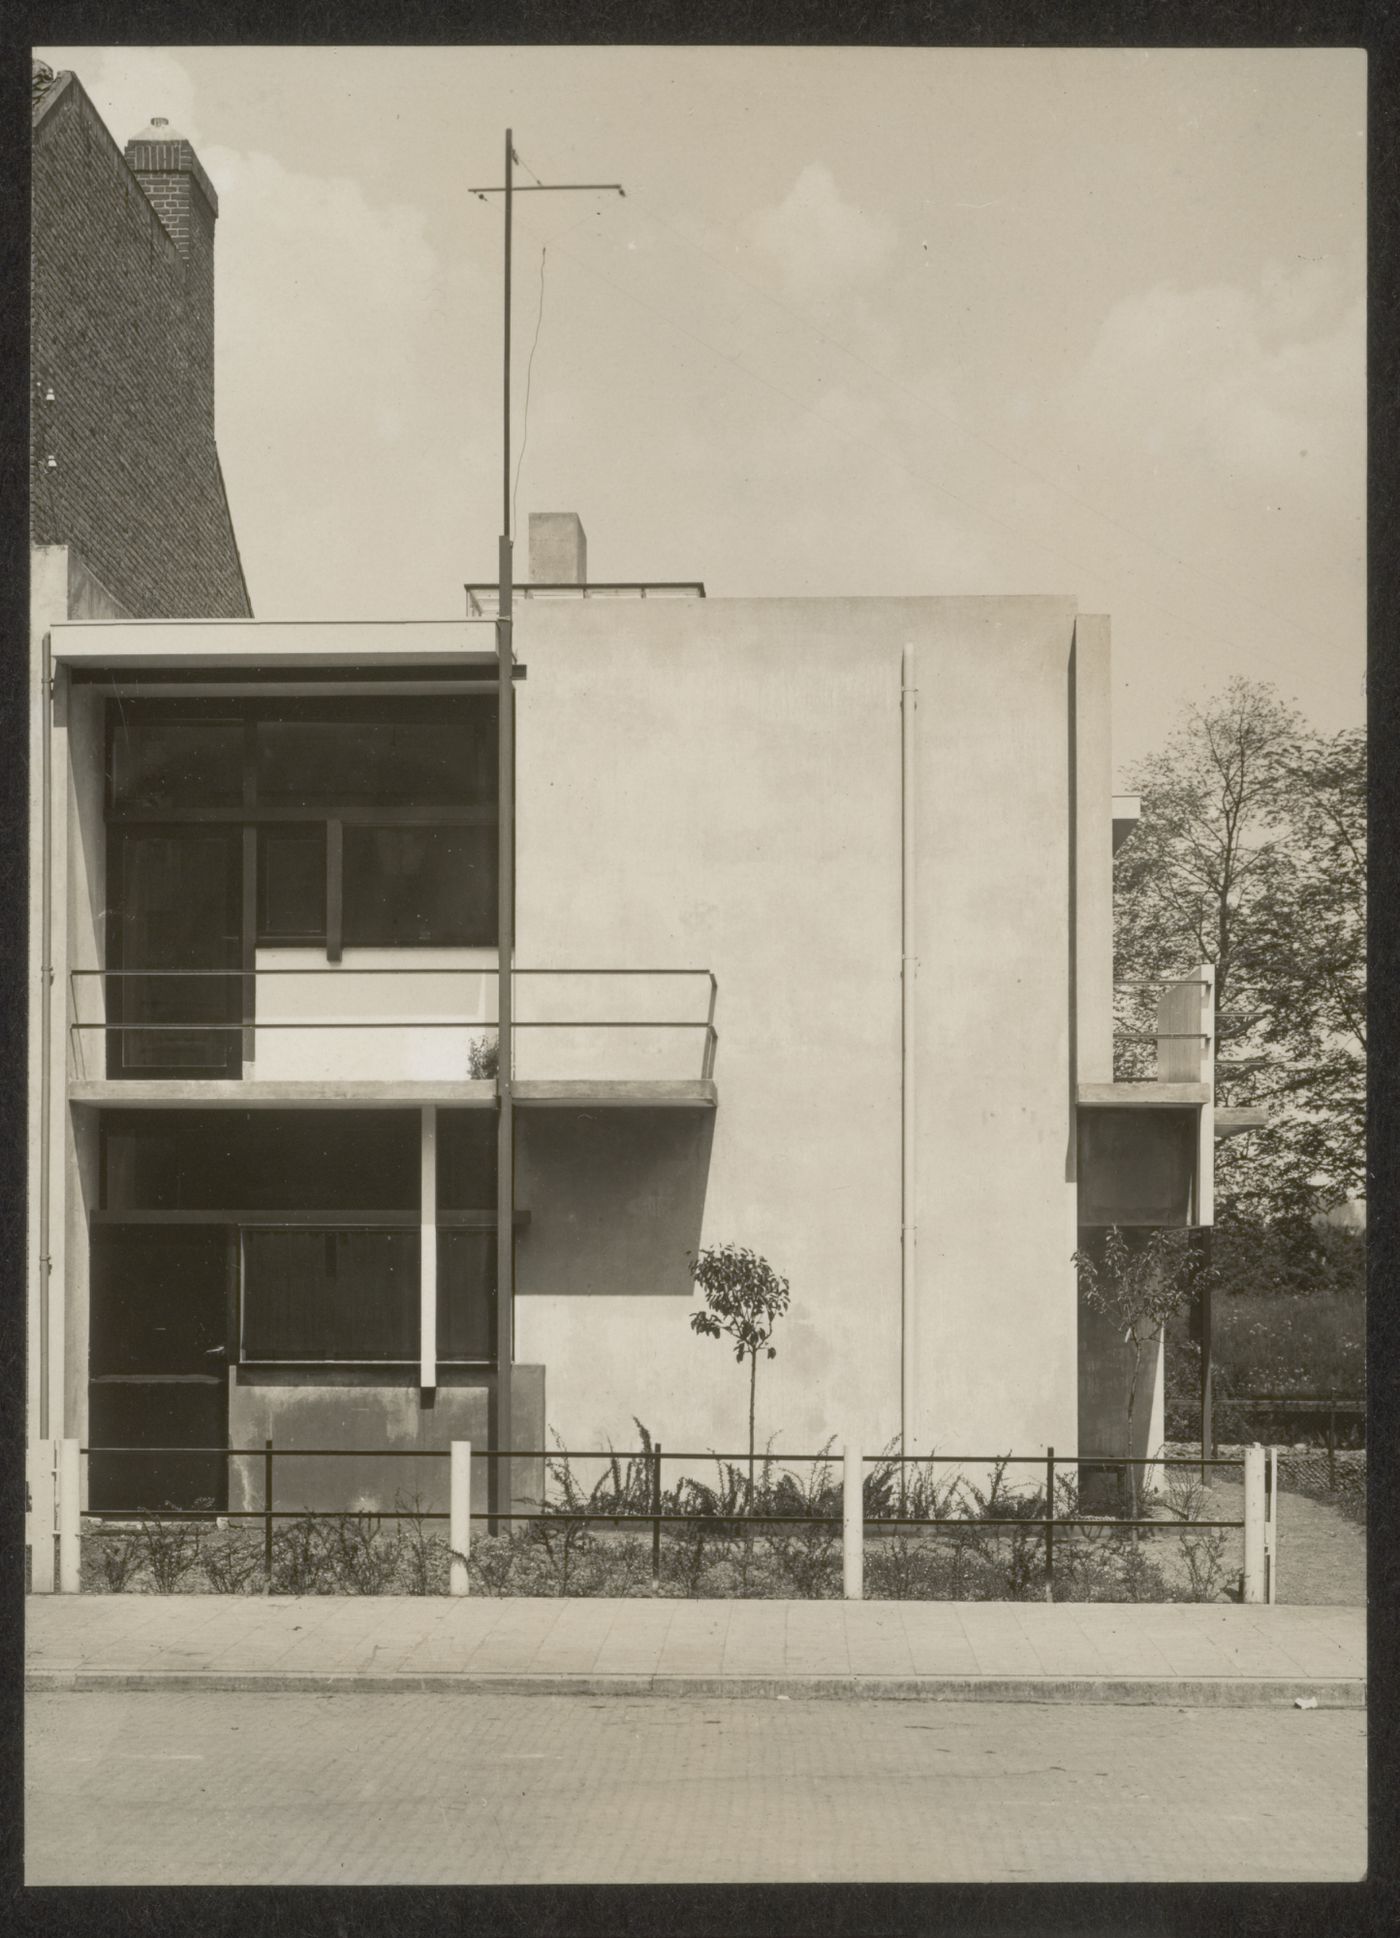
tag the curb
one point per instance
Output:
(1201, 1692)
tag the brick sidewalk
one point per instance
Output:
(997, 1651)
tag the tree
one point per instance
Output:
(1138, 1285)
(1250, 855)
(744, 1298)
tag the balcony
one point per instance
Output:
(376, 1028)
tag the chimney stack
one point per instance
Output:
(558, 549)
(176, 186)
(184, 199)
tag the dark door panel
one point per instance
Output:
(158, 1366)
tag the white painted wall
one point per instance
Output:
(717, 784)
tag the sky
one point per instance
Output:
(866, 322)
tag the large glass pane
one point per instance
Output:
(420, 885)
(466, 1295)
(383, 758)
(163, 760)
(291, 884)
(466, 1160)
(177, 913)
(312, 1294)
(261, 1160)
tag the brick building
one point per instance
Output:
(125, 470)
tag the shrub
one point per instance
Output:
(112, 1557)
(169, 1551)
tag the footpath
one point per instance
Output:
(1180, 1654)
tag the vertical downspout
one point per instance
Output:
(909, 968)
(45, 1018)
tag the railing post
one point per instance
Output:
(459, 1510)
(656, 1512)
(1271, 1529)
(70, 1503)
(852, 1523)
(42, 1506)
(267, 1517)
(1254, 1523)
(1049, 1524)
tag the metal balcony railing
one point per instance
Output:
(332, 1003)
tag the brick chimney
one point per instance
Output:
(558, 549)
(182, 195)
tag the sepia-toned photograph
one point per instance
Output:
(696, 985)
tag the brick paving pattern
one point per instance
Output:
(140, 1788)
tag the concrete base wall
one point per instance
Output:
(360, 1407)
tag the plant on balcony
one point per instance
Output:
(483, 1057)
(1139, 1287)
(744, 1300)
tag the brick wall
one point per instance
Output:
(123, 337)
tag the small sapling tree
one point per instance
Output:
(1138, 1287)
(744, 1298)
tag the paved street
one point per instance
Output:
(191, 1788)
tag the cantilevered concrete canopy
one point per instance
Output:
(699, 1093)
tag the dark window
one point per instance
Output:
(315, 1294)
(466, 1154)
(466, 1295)
(291, 884)
(176, 922)
(1136, 1167)
(261, 1160)
(420, 885)
(447, 760)
(165, 759)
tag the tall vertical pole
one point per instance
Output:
(500, 1467)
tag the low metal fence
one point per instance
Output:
(57, 1494)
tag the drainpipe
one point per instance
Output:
(909, 968)
(45, 1017)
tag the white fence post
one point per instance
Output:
(1271, 1528)
(1254, 1585)
(42, 1502)
(459, 1508)
(70, 1505)
(852, 1523)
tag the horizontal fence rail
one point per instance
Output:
(844, 1519)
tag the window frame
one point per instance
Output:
(331, 812)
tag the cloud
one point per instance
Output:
(1250, 379)
(127, 85)
(820, 242)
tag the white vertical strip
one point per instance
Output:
(459, 1507)
(852, 1524)
(41, 1516)
(1254, 1523)
(69, 1522)
(427, 1250)
(56, 1076)
(909, 969)
(1205, 1147)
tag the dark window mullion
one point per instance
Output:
(335, 897)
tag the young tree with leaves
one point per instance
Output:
(1138, 1284)
(744, 1299)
